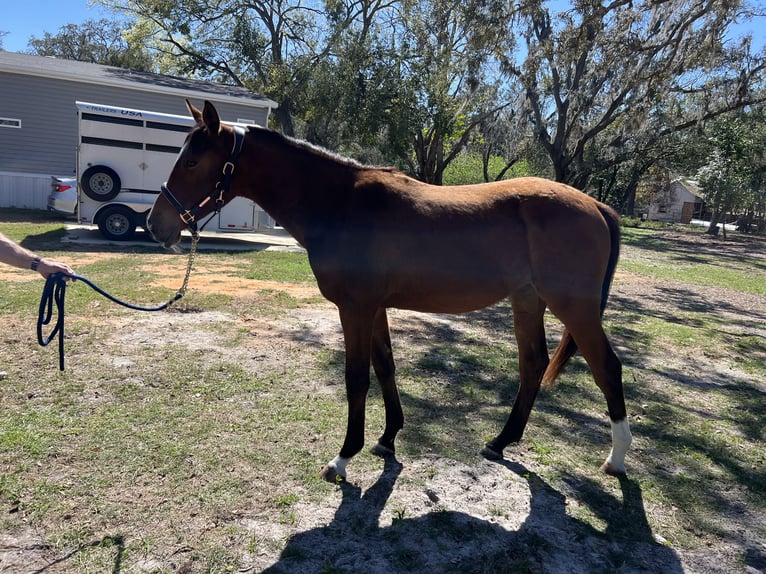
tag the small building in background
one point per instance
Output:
(679, 201)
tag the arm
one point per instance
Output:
(12, 253)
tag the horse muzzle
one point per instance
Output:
(167, 233)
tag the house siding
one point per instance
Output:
(673, 206)
(46, 143)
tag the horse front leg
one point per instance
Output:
(357, 333)
(529, 328)
(385, 369)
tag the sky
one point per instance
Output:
(25, 18)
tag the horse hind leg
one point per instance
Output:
(385, 369)
(529, 328)
(584, 323)
(607, 372)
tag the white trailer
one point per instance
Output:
(124, 156)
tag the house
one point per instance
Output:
(38, 118)
(678, 202)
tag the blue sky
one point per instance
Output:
(25, 18)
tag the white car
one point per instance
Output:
(63, 196)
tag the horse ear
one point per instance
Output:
(210, 118)
(195, 113)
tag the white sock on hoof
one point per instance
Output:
(621, 439)
(338, 464)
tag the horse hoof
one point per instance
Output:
(491, 454)
(612, 470)
(382, 451)
(329, 474)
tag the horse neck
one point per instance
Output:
(295, 186)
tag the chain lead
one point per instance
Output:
(192, 255)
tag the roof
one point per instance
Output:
(85, 72)
(689, 185)
(145, 115)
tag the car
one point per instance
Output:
(63, 196)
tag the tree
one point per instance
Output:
(722, 185)
(270, 46)
(605, 83)
(504, 135)
(450, 45)
(357, 97)
(732, 177)
(95, 41)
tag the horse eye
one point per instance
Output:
(191, 163)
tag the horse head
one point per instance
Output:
(200, 179)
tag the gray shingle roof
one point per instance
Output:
(85, 72)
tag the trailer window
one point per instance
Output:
(163, 148)
(167, 127)
(10, 123)
(111, 143)
(113, 120)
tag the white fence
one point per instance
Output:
(24, 190)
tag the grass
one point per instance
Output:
(165, 435)
(281, 267)
(742, 270)
(708, 274)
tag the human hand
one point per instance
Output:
(46, 267)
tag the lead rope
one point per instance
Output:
(55, 290)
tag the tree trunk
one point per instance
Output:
(714, 219)
(285, 118)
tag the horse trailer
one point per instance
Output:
(124, 156)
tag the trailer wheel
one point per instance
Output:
(117, 223)
(100, 183)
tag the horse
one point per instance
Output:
(378, 239)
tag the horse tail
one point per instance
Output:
(567, 346)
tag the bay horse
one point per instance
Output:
(378, 239)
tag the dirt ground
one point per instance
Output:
(382, 522)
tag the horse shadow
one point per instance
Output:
(548, 540)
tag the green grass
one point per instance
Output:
(752, 352)
(33, 233)
(284, 267)
(708, 274)
(661, 257)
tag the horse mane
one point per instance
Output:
(313, 149)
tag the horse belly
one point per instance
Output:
(457, 300)
(440, 269)
(456, 284)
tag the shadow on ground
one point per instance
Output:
(445, 540)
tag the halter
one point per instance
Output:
(189, 216)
